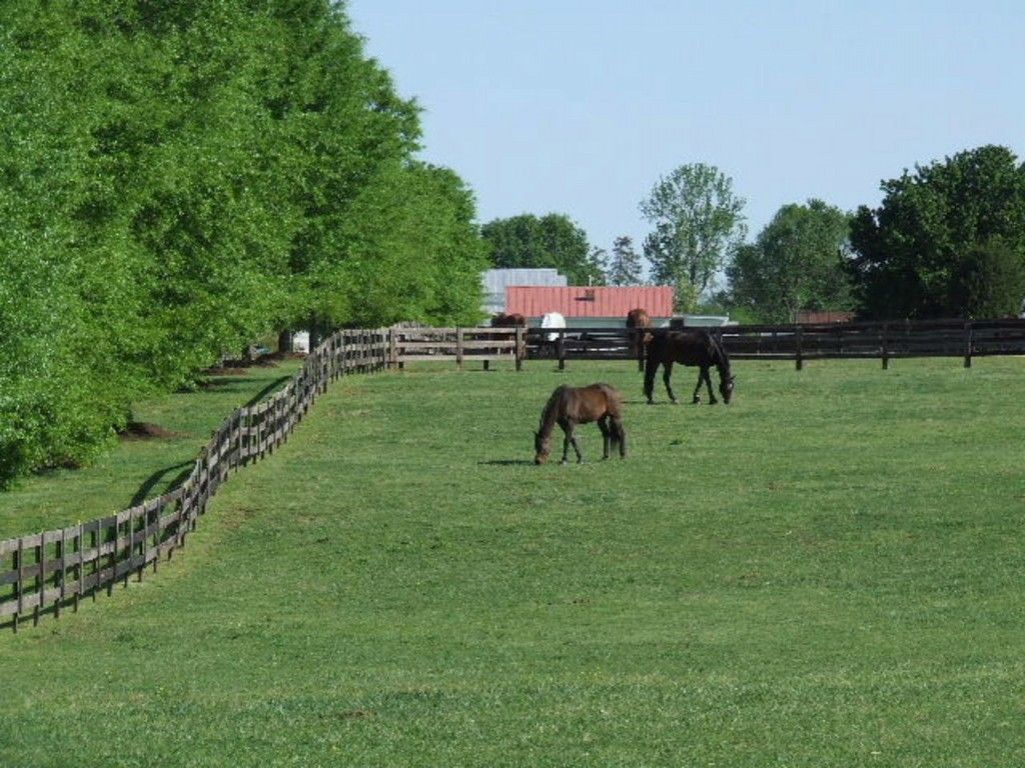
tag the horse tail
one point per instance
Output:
(614, 409)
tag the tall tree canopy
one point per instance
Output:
(178, 179)
(911, 251)
(625, 263)
(699, 223)
(796, 262)
(552, 240)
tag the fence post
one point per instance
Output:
(521, 346)
(459, 348)
(798, 332)
(393, 352)
(967, 343)
(560, 349)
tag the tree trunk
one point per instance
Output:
(285, 341)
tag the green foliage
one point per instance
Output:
(699, 222)
(797, 262)
(552, 240)
(910, 251)
(178, 179)
(624, 266)
(990, 282)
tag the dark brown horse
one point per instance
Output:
(569, 406)
(638, 318)
(695, 347)
(502, 320)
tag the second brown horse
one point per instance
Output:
(569, 406)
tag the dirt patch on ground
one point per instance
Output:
(225, 370)
(143, 430)
(270, 358)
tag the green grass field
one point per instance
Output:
(828, 572)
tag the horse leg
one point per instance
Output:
(697, 389)
(571, 440)
(666, 373)
(708, 383)
(605, 435)
(567, 432)
(650, 369)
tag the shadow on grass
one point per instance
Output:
(267, 390)
(505, 463)
(144, 490)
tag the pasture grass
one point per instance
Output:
(138, 469)
(828, 572)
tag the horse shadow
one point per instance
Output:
(504, 463)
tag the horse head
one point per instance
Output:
(542, 448)
(726, 388)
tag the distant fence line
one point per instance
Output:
(45, 572)
(877, 340)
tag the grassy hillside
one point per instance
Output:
(825, 573)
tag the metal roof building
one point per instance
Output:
(496, 281)
(612, 302)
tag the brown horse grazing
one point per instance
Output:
(696, 347)
(569, 406)
(638, 318)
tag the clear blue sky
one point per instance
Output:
(578, 106)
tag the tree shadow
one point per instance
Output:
(144, 490)
(267, 390)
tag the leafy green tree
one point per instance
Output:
(989, 282)
(552, 240)
(797, 262)
(698, 222)
(624, 264)
(182, 178)
(910, 252)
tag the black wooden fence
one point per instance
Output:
(882, 341)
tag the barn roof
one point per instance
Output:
(584, 301)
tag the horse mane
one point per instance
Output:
(548, 412)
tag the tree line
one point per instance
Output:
(181, 179)
(947, 240)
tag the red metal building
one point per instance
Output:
(611, 302)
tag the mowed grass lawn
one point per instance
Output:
(828, 572)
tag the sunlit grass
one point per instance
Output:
(825, 573)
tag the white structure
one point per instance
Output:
(301, 341)
(552, 320)
(497, 280)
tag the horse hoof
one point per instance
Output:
(563, 463)
(695, 401)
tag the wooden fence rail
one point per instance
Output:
(882, 341)
(43, 573)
